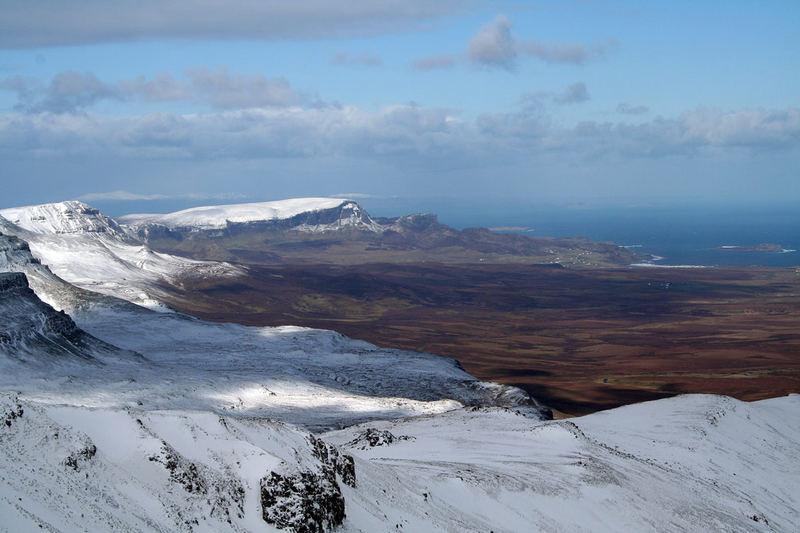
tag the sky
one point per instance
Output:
(197, 102)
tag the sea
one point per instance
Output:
(672, 235)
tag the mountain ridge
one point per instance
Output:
(221, 216)
(212, 431)
(343, 232)
(84, 247)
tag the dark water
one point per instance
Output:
(680, 235)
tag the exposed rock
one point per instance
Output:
(372, 437)
(304, 503)
(225, 494)
(309, 502)
(10, 415)
(333, 461)
(35, 333)
(85, 454)
(181, 471)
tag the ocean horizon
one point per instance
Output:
(702, 235)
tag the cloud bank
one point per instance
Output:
(574, 53)
(41, 23)
(398, 133)
(219, 88)
(493, 45)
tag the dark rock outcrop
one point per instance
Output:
(309, 501)
(372, 437)
(305, 502)
(32, 332)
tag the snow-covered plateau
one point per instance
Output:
(303, 214)
(115, 417)
(90, 250)
(218, 216)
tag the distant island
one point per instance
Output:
(772, 248)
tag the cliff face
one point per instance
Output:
(33, 332)
(348, 215)
(346, 234)
(70, 217)
(16, 256)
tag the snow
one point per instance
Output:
(180, 436)
(218, 216)
(60, 218)
(651, 265)
(315, 378)
(690, 463)
(89, 250)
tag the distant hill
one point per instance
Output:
(326, 230)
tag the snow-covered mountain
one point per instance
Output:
(689, 463)
(16, 256)
(70, 217)
(311, 215)
(316, 378)
(332, 230)
(692, 463)
(119, 418)
(90, 250)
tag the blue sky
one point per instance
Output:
(206, 102)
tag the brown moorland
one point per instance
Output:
(579, 340)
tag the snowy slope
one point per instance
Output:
(690, 463)
(218, 216)
(316, 378)
(209, 430)
(33, 335)
(62, 218)
(84, 247)
(73, 469)
(16, 256)
(699, 463)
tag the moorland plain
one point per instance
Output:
(579, 340)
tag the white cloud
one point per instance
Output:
(224, 90)
(574, 53)
(67, 91)
(400, 134)
(70, 91)
(443, 61)
(493, 44)
(38, 23)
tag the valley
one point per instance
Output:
(118, 412)
(399, 267)
(579, 340)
